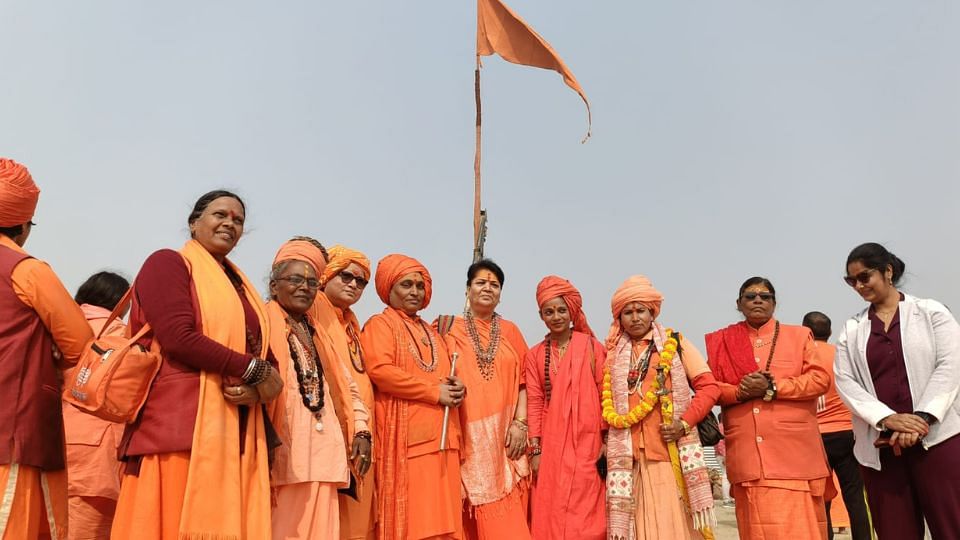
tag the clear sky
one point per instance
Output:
(731, 139)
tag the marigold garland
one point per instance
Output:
(647, 404)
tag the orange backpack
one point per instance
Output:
(114, 374)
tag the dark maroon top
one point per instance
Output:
(165, 296)
(887, 366)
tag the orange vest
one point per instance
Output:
(776, 439)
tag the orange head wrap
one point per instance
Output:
(636, 288)
(340, 258)
(393, 267)
(18, 194)
(301, 250)
(552, 287)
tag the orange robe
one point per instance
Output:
(93, 468)
(311, 465)
(33, 501)
(496, 487)
(357, 517)
(775, 458)
(419, 483)
(568, 497)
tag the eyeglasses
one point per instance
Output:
(863, 277)
(32, 224)
(297, 281)
(765, 296)
(347, 277)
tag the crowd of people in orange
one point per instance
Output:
(287, 418)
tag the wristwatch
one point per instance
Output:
(771, 392)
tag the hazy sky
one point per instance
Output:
(730, 139)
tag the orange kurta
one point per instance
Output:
(775, 458)
(357, 517)
(413, 473)
(28, 492)
(310, 465)
(94, 470)
(496, 487)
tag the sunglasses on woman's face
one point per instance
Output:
(863, 278)
(347, 277)
(751, 296)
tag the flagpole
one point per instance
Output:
(479, 225)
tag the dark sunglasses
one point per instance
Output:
(347, 277)
(297, 281)
(862, 277)
(765, 296)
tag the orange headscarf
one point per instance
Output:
(552, 287)
(18, 194)
(393, 267)
(340, 258)
(636, 288)
(301, 250)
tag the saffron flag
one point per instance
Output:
(501, 31)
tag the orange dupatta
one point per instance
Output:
(228, 494)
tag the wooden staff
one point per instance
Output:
(446, 408)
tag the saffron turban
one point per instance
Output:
(340, 258)
(636, 288)
(393, 267)
(301, 250)
(552, 287)
(18, 194)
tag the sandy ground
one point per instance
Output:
(727, 525)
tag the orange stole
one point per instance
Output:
(411, 471)
(357, 517)
(226, 493)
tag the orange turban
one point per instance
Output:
(635, 289)
(393, 267)
(301, 250)
(340, 258)
(18, 194)
(552, 287)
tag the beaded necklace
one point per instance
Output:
(309, 370)
(548, 346)
(484, 357)
(415, 351)
(353, 345)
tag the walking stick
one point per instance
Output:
(446, 408)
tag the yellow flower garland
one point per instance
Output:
(638, 413)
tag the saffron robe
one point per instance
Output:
(496, 486)
(413, 473)
(568, 496)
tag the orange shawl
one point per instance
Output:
(228, 493)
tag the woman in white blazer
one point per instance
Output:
(898, 369)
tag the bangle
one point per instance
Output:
(257, 372)
(363, 435)
(534, 451)
(522, 426)
(249, 370)
(686, 426)
(521, 420)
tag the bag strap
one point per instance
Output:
(121, 306)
